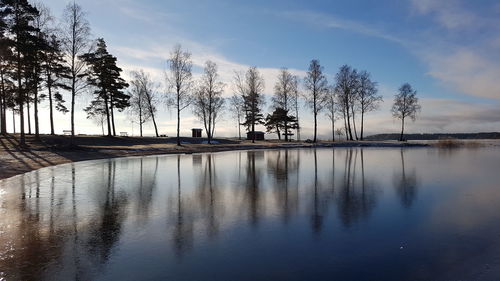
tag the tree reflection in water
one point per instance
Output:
(357, 195)
(406, 184)
(75, 220)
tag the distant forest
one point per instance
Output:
(465, 136)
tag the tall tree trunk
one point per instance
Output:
(345, 123)
(315, 118)
(73, 94)
(286, 117)
(402, 129)
(349, 124)
(108, 119)
(37, 124)
(178, 119)
(140, 119)
(113, 119)
(154, 123)
(254, 111)
(239, 127)
(362, 123)
(28, 112)
(354, 123)
(333, 129)
(20, 92)
(13, 121)
(51, 109)
(3, 106)
(298, 124)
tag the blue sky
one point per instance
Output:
(449, 50)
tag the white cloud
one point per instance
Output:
(329, 21)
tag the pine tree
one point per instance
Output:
(280, 121)
(104, 75)
(18, 16)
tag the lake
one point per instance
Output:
(297, 214)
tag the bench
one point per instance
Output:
(67, 132)
(123, 134)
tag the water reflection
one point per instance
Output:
(101, 219)
(406, 183)
(357, 193)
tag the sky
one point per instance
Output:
(448, 50)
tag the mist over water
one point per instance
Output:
(298, 214)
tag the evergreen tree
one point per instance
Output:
(280, 121)
(18, 16)
(5, 72)
(105, 76)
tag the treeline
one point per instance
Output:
(465, 136)
(40, 57)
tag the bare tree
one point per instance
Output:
(346, 87)
(75, 33)
(208, 100)
(138, 103)
(332, 108)
(405, 106)
(150, 92)
(179, 80)
(368, 98)
(284, 94)
(295, 106)
(236, 107)
(317, 85)
(250, 87)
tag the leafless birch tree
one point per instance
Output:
(76, 42)
(317, 86)
(179, 80)
(208, 100)
(405, 106)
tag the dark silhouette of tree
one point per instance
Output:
(105, 76)
(55, 72)
(332, 108)
(285, 91)
(150, 92)
(42, 23)
(138, 103)
(405, 106)
(346, 85)
(75, 39)
(208, 100)
(280, 121)
(96, 111)
(295, 107)
(18, 17)
(6, 72)
(179, 79)
(317, 86)
(368, 98)
(236, 107)
(250, 87)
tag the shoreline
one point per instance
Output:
(49, 152)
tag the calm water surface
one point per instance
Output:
(343, 214)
